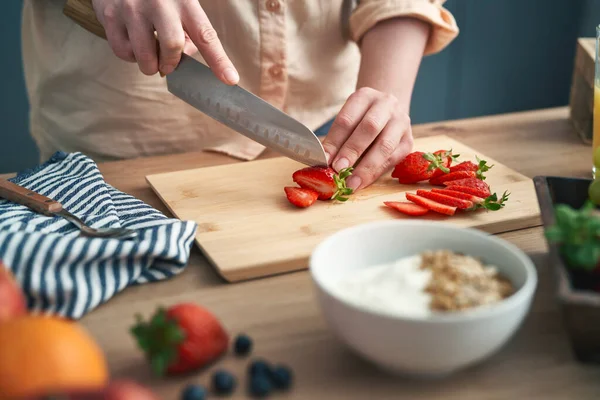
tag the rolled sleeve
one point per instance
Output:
(370, 12)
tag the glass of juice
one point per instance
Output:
(596, 123)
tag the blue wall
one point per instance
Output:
(511, 55)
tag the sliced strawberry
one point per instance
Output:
(406, 207)
(459, 195)
(444, 199)
(301, 197)
(477, 184)
(452, 176)
(470, 190)
(478, 168)
(325, 181)
(419, 166)
(430, 204)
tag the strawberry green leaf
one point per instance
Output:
(481, 168)
(158, 339)
(340, 183)
(492, 203)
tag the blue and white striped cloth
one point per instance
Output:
(67, 274)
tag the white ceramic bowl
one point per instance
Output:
(431, 346)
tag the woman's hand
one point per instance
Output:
(181, 26)
(372, 127)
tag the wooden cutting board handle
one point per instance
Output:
(28, 198)
(82, 12)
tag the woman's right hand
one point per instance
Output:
(181, 26)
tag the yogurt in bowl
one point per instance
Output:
(379, 299)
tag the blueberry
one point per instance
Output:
(193, 392)
(282, 377)
(260, 367)
(223, 382)
(260, 385)
(243, 345)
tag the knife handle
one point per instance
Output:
(82, 12)
(28, 198)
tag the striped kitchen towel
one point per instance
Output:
(67, 274)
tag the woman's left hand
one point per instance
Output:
(372, 127)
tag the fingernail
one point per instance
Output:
(353, 182)
(327, 157)
(166, 69)
(231, 75)
(341, 164)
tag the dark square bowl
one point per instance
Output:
(580, 305)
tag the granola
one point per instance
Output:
(460, 282)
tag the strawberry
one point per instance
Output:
(406, 207)
(301, 197)
(430, 204)
(459, 195)
(324, 181)
(180, 339)
(447, 200)
(470, 190)
(452, 176)
(478, 168)
(12, 300)
(480, 188)
(419, 166)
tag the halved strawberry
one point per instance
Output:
(430, 204)
(480, 188)
(452, 176)
(406, 207)
(419, 166)
(459, 195)
(325, 181)
(301, 197)
(444, 199)
(478, 168)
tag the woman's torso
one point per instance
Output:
(293, 54)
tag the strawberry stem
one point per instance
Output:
(492, 203)
(340, 183)
(158, 339)
(481, 168)
(437, 160)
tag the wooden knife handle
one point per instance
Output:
(25, 197)
(82, 12)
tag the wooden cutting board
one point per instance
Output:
(247, 228)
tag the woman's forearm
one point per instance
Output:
(391, 55)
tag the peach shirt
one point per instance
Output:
(299, 55)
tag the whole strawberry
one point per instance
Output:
(181, 338)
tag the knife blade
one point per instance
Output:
(244, 112)
(233, 106)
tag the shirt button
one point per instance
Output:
(273, 5)
(275, 70)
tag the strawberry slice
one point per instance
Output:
(419, 166)
(471, 190)
(452, 176)
(430, 204)
(324, 181)
(301, 197)
(447, 200)
(459, 195)
(479, 186)
(406, 207)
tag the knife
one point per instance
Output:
(231, 105)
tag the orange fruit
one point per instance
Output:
(43, 354)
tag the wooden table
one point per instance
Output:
(282, 316)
